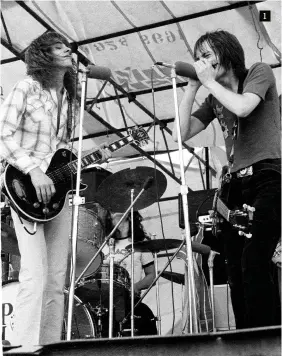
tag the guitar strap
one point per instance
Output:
(226, 170)
(226, 176)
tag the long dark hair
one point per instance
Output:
(39, 61)
(139, 232)
(40, 65)
(228, 49)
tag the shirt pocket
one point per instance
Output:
(38, 111)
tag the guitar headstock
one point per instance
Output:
(139, 135)
(241, 220)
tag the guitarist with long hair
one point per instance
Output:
(245, 102)
(38, 118)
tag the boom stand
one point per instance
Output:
(184, 191)
(76, 202)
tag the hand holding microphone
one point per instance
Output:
(188, 70)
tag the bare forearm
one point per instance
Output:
(145, 282)
(234, 102)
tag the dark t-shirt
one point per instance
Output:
(259, 133)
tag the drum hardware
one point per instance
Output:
(167, 244)
(123, 332)
(173, 277)
(180, 245)
(156, 245)
(147, 182)
(99, 311)
(114, 193)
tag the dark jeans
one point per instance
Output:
(254, 291)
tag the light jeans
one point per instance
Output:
(39, 305)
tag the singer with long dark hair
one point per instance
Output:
(245, 102)
(37, 118)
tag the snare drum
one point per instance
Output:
(83, 325)
(89, 234)
(96, 287)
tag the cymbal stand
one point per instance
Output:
(184, 191)
(132, 266)
(76, 202)
(111, 286)
(157, 293)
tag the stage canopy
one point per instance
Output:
(129, 37)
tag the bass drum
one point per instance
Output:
(83, 326)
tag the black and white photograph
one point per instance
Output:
(140, 177)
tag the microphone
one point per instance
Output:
(73, 47)
(183, 69)
(97, 72)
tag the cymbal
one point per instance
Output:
(114, 193)
(155, 245)
(173, 276)
(9, 240)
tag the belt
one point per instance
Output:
(266, 164)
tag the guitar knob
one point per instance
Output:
(45, 210)
(55, 206)
(36, 205)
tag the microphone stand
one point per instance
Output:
(184, 191)
(132, 266)
(77, 200)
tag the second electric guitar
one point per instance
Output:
(63, 166)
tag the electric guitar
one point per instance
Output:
(62, 169)
(240, 219)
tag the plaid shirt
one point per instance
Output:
(28, 126)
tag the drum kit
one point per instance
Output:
(95, 283)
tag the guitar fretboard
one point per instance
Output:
(63, 173)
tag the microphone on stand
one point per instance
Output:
(183, 69)
(97, 72)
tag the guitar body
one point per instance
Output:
(63, 166)
(19, 189)
(240, 218)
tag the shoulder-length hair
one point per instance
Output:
(139, 232)
(39, 61)
(227, 48)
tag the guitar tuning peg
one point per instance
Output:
(249, 208)
(242, 233)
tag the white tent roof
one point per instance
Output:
(129, 37)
